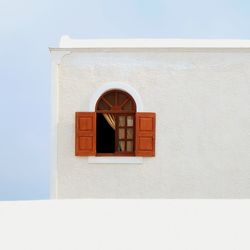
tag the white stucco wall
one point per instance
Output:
(124, 224)
(202, 100)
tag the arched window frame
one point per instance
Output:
(124, 108)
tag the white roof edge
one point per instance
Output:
(67, 42)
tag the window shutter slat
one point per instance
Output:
(85, 133)
(145, 134)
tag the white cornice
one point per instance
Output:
(69, 43)
(57, 57)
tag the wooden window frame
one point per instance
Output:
(118, 111)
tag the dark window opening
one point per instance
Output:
(105, 136)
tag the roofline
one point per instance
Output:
(67, 43)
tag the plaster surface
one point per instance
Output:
(201, 98)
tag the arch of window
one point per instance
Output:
(116, 101)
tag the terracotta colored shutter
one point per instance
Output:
(85, 131)
(145, 134)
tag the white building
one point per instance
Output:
(156, 118)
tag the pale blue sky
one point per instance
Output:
(29, 27)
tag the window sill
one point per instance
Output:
(115, 160)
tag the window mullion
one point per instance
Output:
(125, 133)
(116, 98)
(116, 132)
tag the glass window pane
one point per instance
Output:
(121, 146)
(110, 98)
(121, 133)
(130, 121)
(121, 121)
(130, 132)
(121, 98)
(130, 146)
(128, 106)
(103, 106)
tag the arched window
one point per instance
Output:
(115, 123)
(115, 128)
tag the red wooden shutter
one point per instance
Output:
(145, 134)
(85, 132)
